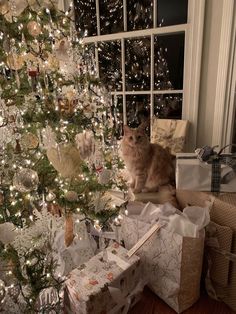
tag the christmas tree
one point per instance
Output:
(57, 145)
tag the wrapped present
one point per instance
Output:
(221, 242)
(171, 257)
(215, 173)
(169, 133)
(109, 283)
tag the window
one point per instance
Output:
(144, 50)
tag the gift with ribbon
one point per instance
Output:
(206, 170)
(110, 282)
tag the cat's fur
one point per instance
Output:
(149, 165)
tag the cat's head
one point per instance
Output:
(135, 137)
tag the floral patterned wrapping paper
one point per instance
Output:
(172, 263)
(169, 133)
(88, 286)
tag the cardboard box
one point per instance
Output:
(222, 251)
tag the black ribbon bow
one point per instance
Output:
(216, 159)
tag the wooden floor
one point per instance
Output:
(151, 304)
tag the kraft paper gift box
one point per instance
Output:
(195, 175)
(104, 287)
(172, 263)
(221, 248)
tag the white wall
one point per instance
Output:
(210, 54)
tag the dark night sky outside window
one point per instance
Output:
(125, 63)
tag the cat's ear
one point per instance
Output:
(143, 125)
(126, 129)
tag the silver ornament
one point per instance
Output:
(25, 180)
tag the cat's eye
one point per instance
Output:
(139, 137)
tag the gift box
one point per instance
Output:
(109, 282)
(195, 175)
(169, 133)
(220, 244)
(171, 257)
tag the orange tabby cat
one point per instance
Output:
(149, 165)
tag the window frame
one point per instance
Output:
(193, 31)
(224, 107)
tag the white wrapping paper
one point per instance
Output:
(80, 251)
(194, 175)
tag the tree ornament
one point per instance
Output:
(62, 48)
(29, 141)
(48, 138)
(71, 196)
(66, 106)
(104, 176)
(7, 232)
(69, 230)
(25, 180)
(15, 62)
(34, 28)
(66, 160)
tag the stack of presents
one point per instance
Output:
(172, 244)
